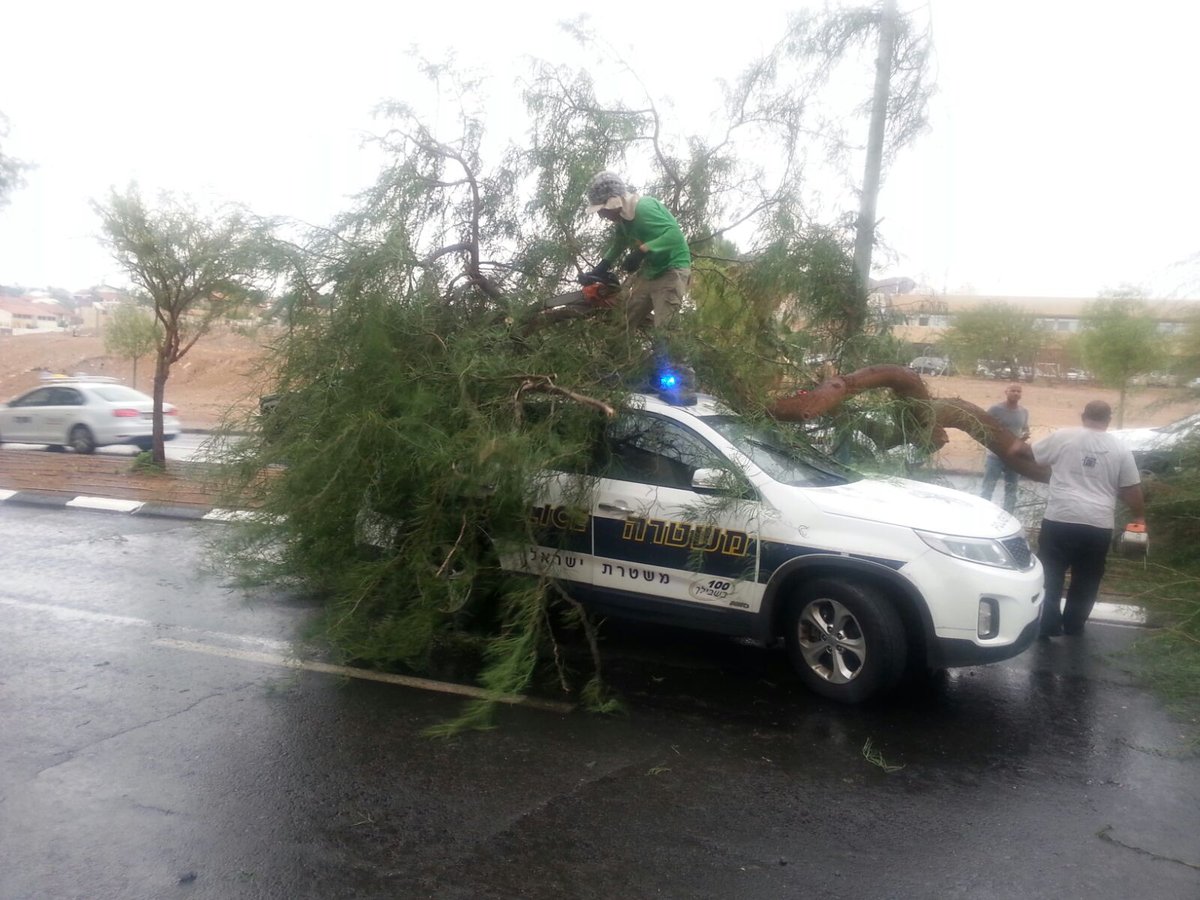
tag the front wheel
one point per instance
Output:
(845, 641)
(81, 440)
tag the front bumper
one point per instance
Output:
(947, 653)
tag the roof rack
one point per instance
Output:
(97, 379)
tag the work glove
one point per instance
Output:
(633, 260)
(602, 274)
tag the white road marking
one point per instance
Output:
(424, 684)
(278, 658)
(5, 494)
(69, 614)
(1118, 614)
(228, 515)
(106, 503)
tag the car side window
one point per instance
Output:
(40, 397)
(66, 397)
(652, 450)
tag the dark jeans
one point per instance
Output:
(1082, 550)
(993, 469)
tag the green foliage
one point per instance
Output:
(875, 757)
(1173, 507)
(998, 331)
(130, 333)
(1167, 656)
(144, 464)
(1119, 341)
(417, 411)
(12, 170)
(827, 39)
(1167, 585)
(1186, 349)
(194, 270)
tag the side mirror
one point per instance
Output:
(710, 479)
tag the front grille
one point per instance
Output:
(1018, 548)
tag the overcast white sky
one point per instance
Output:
(1061, 158)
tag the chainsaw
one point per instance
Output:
(1135, 542)
(599, 290)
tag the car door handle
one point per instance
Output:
(619, 507)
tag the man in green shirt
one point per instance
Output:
(658, 250)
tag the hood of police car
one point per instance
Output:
(914, 504)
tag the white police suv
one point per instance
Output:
(699, 518)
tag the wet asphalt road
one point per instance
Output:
(150, 748)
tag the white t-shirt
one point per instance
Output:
(1087, 469)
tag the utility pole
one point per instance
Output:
(864, 239)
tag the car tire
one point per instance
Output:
(144, 445)
(81, 440)
(845, 641)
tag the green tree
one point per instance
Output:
(131, 333)
(412, 386)
(194, 270)
(827, 40)
(1120, 340)
(998, 331)
(12, 170)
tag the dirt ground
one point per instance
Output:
(218, 375)
(221, 376)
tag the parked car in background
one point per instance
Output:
(1156, 379)
(1079, 376)
(1159, 449)
(932, 365)
(84, 413)
(1002, 371)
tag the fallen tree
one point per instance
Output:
(931, 415)
(934, 415)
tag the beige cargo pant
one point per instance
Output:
(663, 295)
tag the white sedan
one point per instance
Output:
(1158, 449)
(83, 415)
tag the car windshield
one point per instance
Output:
(118, 393)
(1183, 426)
(778, 457)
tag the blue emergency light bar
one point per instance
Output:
(676, 385)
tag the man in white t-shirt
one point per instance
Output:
(1089, 470)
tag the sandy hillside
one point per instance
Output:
(220, 372)
(1055, 405)
(217, 374)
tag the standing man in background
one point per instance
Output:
(1089, 470)
(1015, 418)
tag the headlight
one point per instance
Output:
(984, 551)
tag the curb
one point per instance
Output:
(149, 508)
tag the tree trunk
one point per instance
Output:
(864, 240)
(936, 415)
(162, 370)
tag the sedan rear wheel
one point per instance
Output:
(845, 640)
(81, 440)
